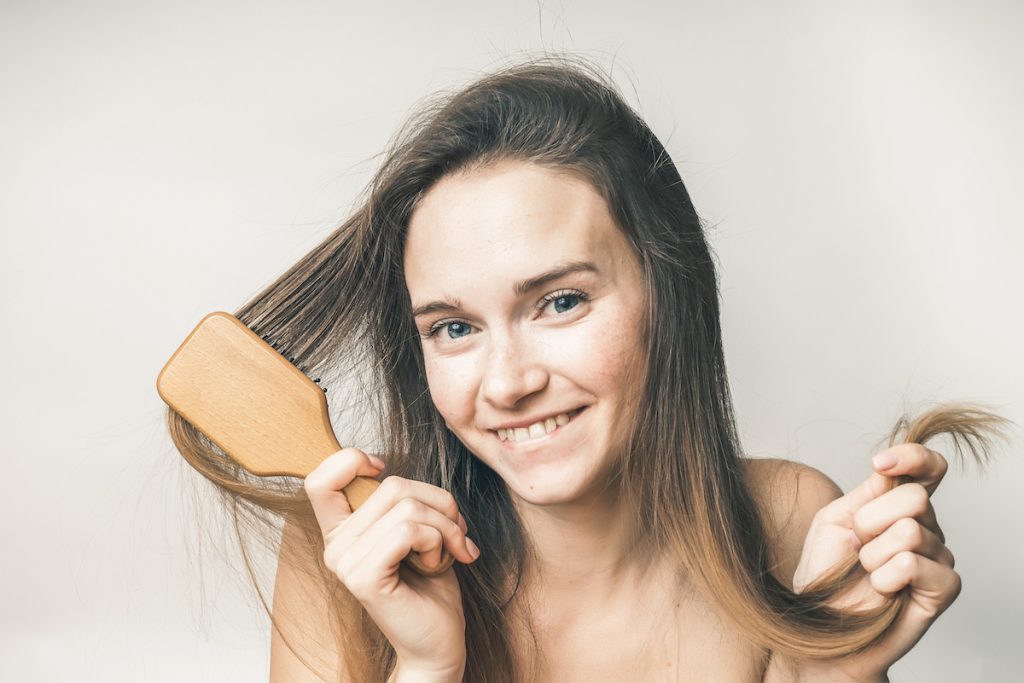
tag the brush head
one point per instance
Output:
(247, 398)
(257, 407)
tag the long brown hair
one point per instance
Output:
(343, 311)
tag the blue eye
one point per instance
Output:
(452, 325)
(563, 298)
(456, 326)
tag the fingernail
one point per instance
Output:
(473, 550)
(377, 462)
(884, 460)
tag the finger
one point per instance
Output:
(933, 588)
(906, 534)
(362, 554)
(395, 489)
(934, 585)
(841, 510)
(453, 536)
(324, 485)
(393, 547)
(371, 566)
(913, 461)
(906, 500)
(920, 464)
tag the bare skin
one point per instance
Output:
(651, 631)
(660, 629)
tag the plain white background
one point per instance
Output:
(860, 165)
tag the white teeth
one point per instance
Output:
(536, 430)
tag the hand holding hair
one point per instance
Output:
(899, 543)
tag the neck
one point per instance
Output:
(582, 548)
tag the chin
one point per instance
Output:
(548, 485)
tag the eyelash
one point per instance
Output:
(548, 298)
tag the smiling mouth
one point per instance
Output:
(539, 430)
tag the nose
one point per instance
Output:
(511, 372)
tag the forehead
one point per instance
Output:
(506, 221)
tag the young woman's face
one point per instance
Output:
(529, 303)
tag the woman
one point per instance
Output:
(529, 289)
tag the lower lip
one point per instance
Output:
(512, 443)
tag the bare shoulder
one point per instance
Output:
(302, 645)
(788, 494)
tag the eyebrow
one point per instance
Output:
(520, 288)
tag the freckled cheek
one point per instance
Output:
(595, 355)
(452, 385)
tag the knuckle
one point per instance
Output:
(346, 456)
(320, 478)
(918, 496)
(448, 504)
(909, 530)
(391, 488)
(916, 451)
(314, 482)
(905, 561)
(408, 507)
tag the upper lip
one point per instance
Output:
(526, 422)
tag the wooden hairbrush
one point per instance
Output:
(260, 409)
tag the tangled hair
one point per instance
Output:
(343, 310)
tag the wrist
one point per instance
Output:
(410, 673)
(785, 669)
